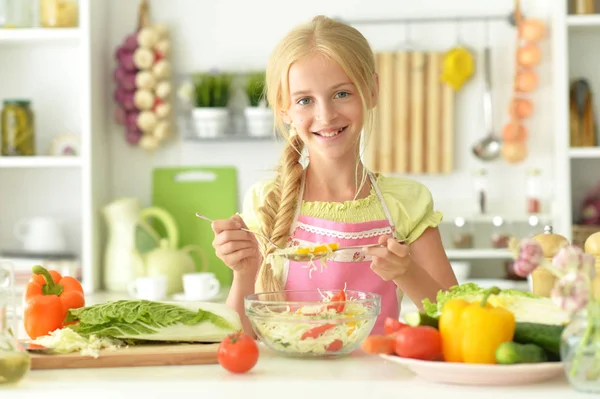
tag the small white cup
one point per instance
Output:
(200, 286)
(150, 288)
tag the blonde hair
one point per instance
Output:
(349, 48)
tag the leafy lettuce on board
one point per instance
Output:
(142, 320)
(526, 306)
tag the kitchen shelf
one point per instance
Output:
(39, 162)
(514, 218)
(39, 34)
(484, 253)
(583, 21)
(584, 153)
(230, 137)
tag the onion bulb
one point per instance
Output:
(163, 89)
(162, 130)
(147, 121)
(145, 80)
(514, 152)
(514, 132)
(143, 99)
(133, 135)
(143, 58)
(163, 48)
(162, 69)
(148, 142)
(163, 110)
(527, 81)
(520, 108)
(147, 37)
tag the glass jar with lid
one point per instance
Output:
(533, 191)
(16, 14)
(500, 234)
(462, 234)
(15, 362)
(480, 191)
(59, 13)
(17, 128)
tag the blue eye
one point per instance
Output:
(343, 94)
(303, 99)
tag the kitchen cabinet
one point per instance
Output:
(33, 65)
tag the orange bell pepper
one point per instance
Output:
(48, 298)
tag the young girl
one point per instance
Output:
(322, 85)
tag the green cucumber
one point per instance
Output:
(415, 319)
(512, 353)
(546, 336)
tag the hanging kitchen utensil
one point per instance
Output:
(581, 114)
(489, 148)
(458, 64)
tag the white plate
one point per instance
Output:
(480, 374)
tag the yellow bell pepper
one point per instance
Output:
(471, 332)
(450, 329)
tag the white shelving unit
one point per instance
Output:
(574, 41)
(70, 188)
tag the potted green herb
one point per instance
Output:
(210, 96)
(259, 117)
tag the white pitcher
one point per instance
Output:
(119, 269)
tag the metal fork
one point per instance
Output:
(201, 216)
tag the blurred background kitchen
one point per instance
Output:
(122, 118)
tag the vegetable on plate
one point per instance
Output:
(526, 306)
(471, 332)
(48, 297)
(238, 353)
(513, 353)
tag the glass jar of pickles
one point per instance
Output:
(59, 13)
(17, 123)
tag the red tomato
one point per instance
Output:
(339, 297)
(376, 344)
(334, 346)
(238, 353)
(392, 325)
(421, 342)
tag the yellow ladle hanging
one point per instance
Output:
(458, 65)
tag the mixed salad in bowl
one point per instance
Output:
(308, 323)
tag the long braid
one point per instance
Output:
(277, 212)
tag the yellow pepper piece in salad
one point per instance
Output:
(317, 249)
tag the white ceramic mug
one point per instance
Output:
(40, 234)
(151, 288)
(200, 286)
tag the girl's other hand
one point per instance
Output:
(392, 260)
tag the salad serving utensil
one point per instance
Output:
(290, 253)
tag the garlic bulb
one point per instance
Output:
(162, 130)
(147, 37)
(147, 121)
(163, 89)
(163, 47)
(148, 142)
(162, 69)
(143, 99)
(145, 80)
(143, 58)
(163, 110)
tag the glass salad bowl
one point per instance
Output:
(313, 323)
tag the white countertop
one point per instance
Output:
(355, 376)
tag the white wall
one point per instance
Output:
(238, 35)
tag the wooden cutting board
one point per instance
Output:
(133, 356)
